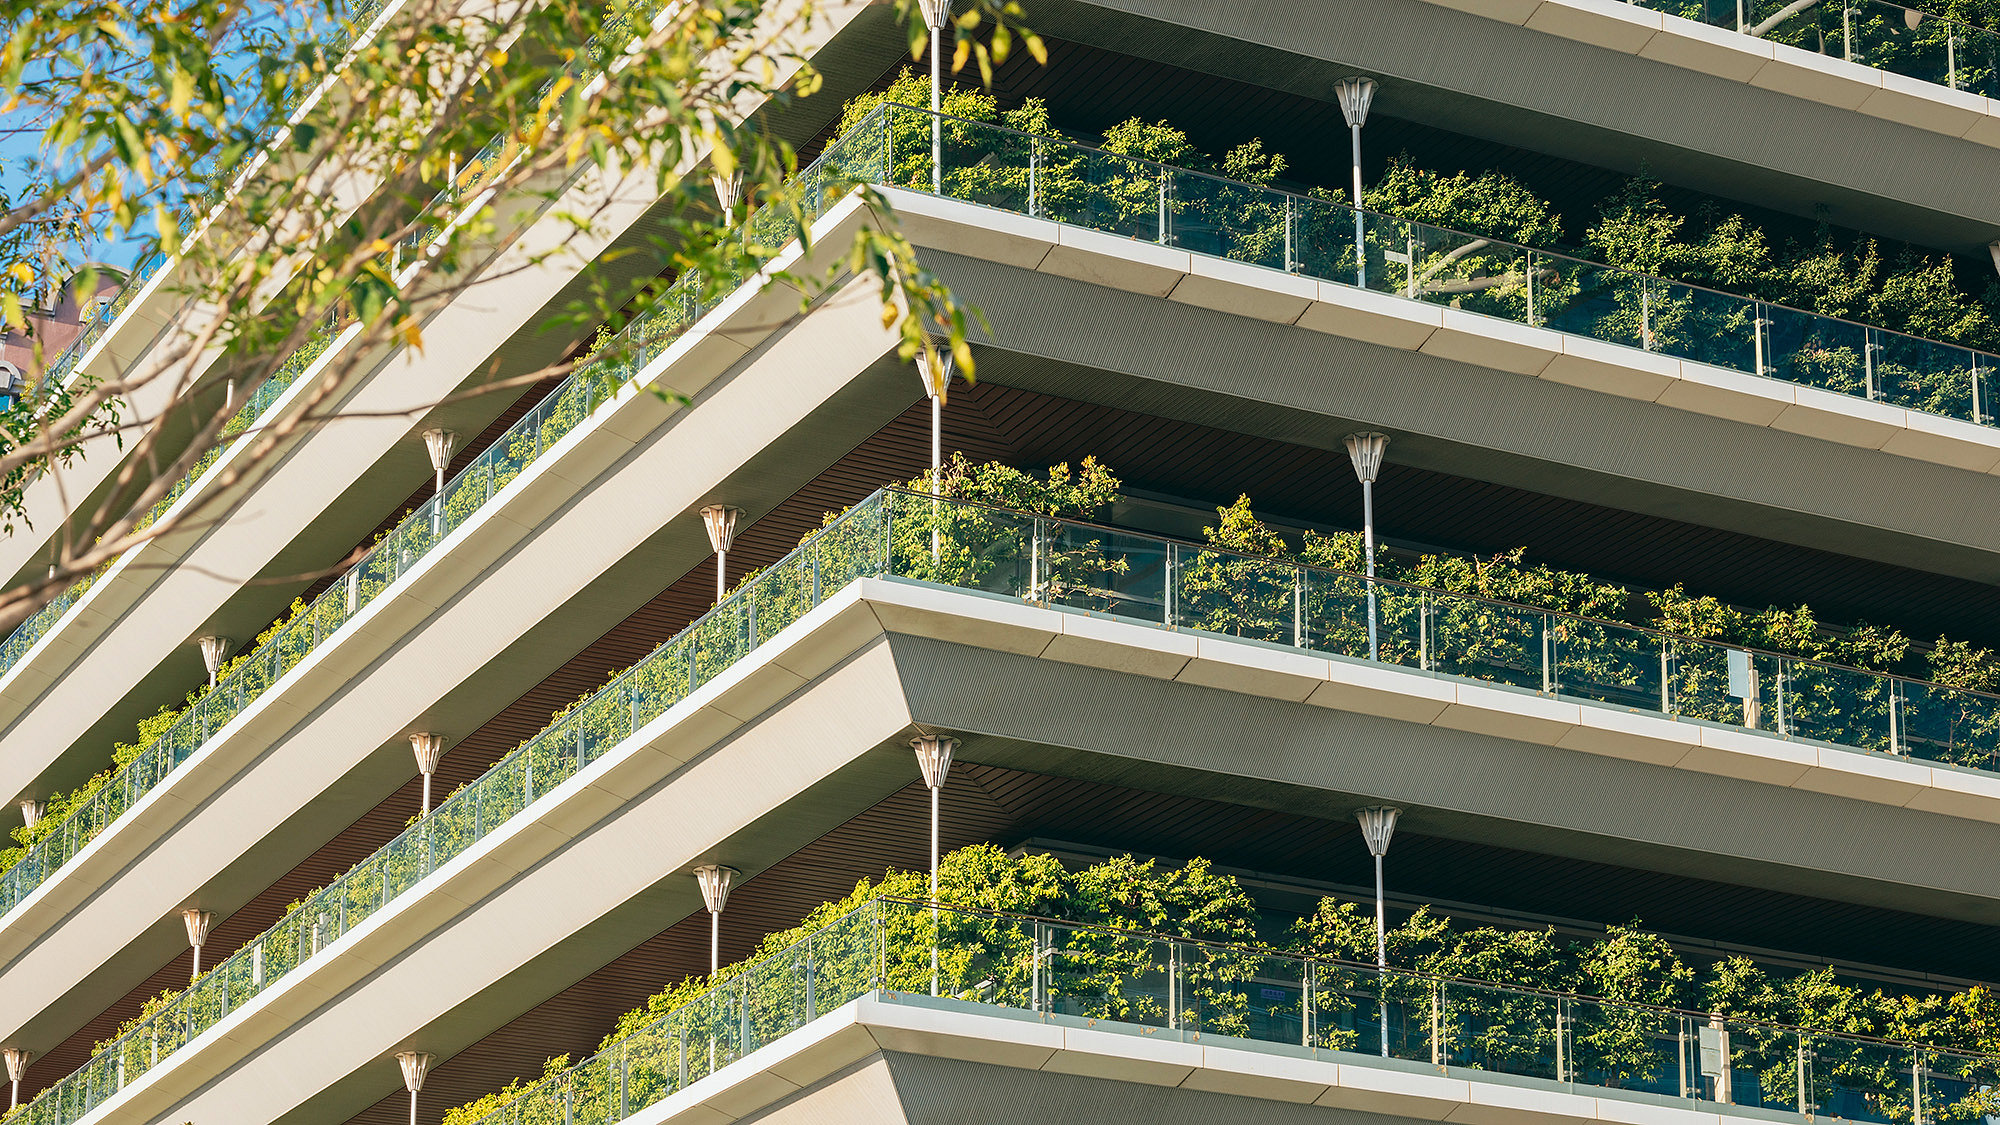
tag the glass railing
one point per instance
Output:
(44, 620)
(1045, 177)
(1258, 999)
(402, 548)
(1891, 37)
(1082, 567)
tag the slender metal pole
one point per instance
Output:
(1382, 955)
(714, 942)
(937, 108)
(721, 575)
(1368, 546)
(413, 1107)
(1360, 235)
(937, 539)
(934, 888)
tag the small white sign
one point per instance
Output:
(1714, 1051)
(1739, 673)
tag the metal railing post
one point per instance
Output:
(1163, 231)
(1548, 656)
(1424, 631)
(1291, 213)
(1299, 608)
(1529, 263)
(1895, 716)
(1034, 167)
(1306, 1006)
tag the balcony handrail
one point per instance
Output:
(617, 1053)
(1482, 599)
(582, 734)
(597, 382)
(1914, 17)
(1349, 208)
(1410, 974)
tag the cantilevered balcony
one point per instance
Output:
(1110, 599)
(147, 310)
(1256, 1023)
(1309, 236)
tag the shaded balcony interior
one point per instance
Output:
(1091, 86)
(1168, 470)
(1288, 861)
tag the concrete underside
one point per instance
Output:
(1684, 124)
(1102, 344)
(443, 969)
(913, 1089)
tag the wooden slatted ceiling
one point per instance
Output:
(984, 803)
(1206, 466)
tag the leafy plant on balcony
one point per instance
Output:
(1507, 999)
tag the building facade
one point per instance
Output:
(622, 699)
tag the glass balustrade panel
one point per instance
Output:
(1625, 1047)
(1488, 641)
(1239, 596)
(1849, 1079)
(1610, 664)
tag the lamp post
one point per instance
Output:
(17, 1065)
(715, 881)
(934, 759)
(415, 1064)
(214, 650)
(197, 921)
(1365, 449)
(721, 524)
(1378, 824)
(439, 444)
(937, 14)
(1356, 94)
(428, 748)
(31, 811)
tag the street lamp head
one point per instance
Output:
(934, 757)
(936, 13)
(936, 369)
(415, 1065)
(715, 881)
(428, 748)
(440, 444)
(197, 922)
(1365, 449)
(1378, 824)
(1355, 93)
(728, 191)
(214, 650)
(721, 524)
